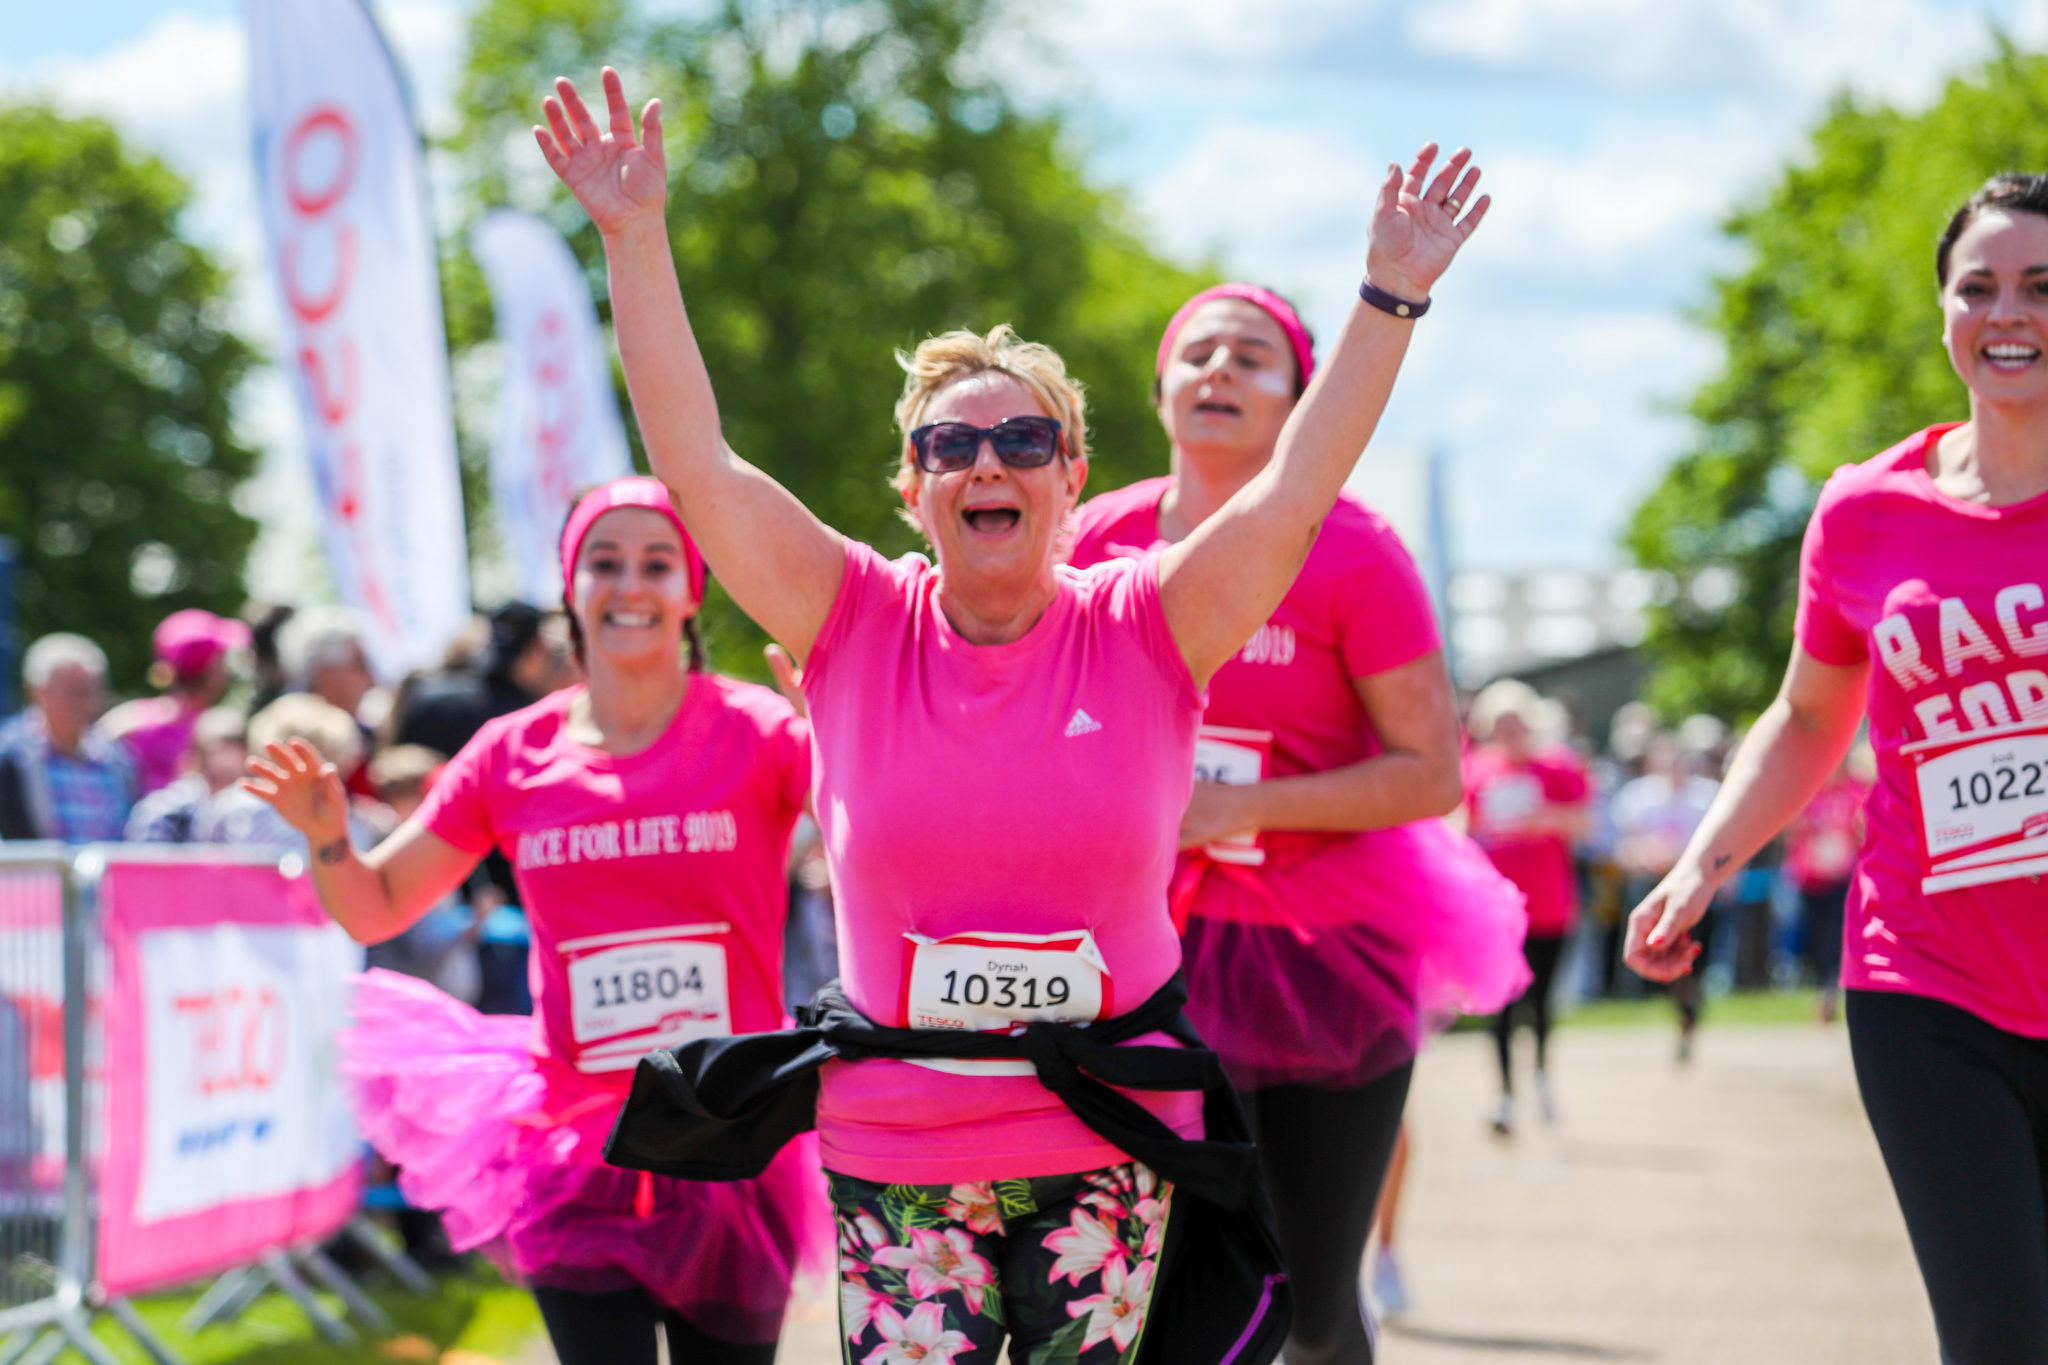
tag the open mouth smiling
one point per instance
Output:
(2011, 355)
(992, 520)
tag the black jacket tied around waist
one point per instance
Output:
(721, 1108)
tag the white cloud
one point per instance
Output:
(1895, 49)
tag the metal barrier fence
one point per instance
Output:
(56, 978)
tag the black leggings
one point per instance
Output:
(1543, 955)
(1325, 1154)
(1960, 1109)
(618, 1328)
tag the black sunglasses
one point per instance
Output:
(1019, 442)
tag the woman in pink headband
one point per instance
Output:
(1004, 747)
(1326, 911)
(646, 814)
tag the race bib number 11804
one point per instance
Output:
(631, 993)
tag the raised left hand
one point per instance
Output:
(1416, 230)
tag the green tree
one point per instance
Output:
(1833, 353)
(118, 459)
(845, 184)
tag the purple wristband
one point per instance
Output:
(1387, 303)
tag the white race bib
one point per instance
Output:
(1983, 806)
(1237, 758)
(632, 993)
(990, 983)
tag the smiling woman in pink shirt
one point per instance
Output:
(1004, 747)
(647, 815)
(1923, 604)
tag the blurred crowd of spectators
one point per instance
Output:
(1589, 828)
(163, 769)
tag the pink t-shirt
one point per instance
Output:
(158, 731)
(614, 855)
(1030, 788)
(1358, 607)
(1501, 795)
(1948, 600)
(1820, 847)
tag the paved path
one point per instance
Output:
(1737, 1212)
(1733, 1214)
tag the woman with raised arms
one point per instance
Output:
(1923, 605)
(646, 815)
(1326, 912)
(1004, 747)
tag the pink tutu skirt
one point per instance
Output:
(509, 1147)
(1325, 966)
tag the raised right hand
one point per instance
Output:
(304, 788)
(617, 181)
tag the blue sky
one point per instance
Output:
(1616, 135)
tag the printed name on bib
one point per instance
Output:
(1983, 806)
(632, 993)
(704, 831)
(991, 983)
(1237, 757)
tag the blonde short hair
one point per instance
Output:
(953, 356)
(1512, 697)
(403, 770)
(300, 715)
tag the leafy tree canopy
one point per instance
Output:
(118, 459)
(1833, 336)
(844, 183)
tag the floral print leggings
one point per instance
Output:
(940, 1274)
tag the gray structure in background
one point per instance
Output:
(1568, 633)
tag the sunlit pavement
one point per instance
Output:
(1736, 1212)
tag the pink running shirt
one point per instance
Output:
(1358, 607)
(608, 851)
(1501, 796)
(1948, 600)
(1033, 788)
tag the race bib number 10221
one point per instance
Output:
(1983, 806)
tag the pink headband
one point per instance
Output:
(638, 491)
(1283, 313)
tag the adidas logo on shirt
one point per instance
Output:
(1082, 724)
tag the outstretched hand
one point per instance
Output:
(303, 787)
(616, 179)
(1417, 229)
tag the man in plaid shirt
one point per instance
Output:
(59, 778)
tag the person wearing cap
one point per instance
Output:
(193, 652)
(1326, 911)
(647, 813)
(60, 778)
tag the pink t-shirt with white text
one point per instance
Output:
(1032, 788)
(692, 830)
(1502, 795)
(1358, 607)
(1948, 601)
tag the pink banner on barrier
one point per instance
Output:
(227, 1129)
